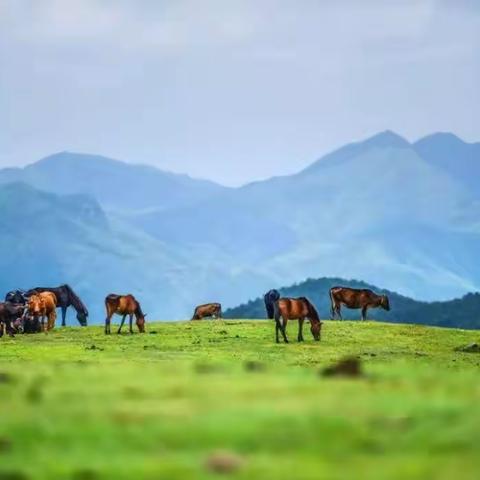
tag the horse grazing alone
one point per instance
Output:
(207, 310)
(296, 308)
(66, 297)
(124, 305)
(269, 299)
(356, 298)
(43, 305)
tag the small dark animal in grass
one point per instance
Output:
(9, 315)
(124, 305)
(66, 297)
(41, 306)
(207, 310)
(346, 367)
(270, 298)
(356, 298)
(293, 309)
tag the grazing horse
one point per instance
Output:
(43, 305)
(66, 297)
(296, 308)
(356, 298)
(269, 299)
(207, 310)
(124, 305)
(9, 315)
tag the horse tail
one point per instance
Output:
(332, 304)
(276, 312)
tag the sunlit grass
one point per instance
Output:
(79, 404)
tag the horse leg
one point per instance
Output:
(121, 324)
(277, 328)
(284, 329)
(64, 314)
(300, 329)
(364, 313)
(130, 320)
(107, 323)
(51, 319)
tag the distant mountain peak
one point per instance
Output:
(443, 138)
(386, 138)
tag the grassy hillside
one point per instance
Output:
(189, 398)
(462, 312)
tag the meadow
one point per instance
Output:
(216, 399)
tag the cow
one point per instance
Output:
(207, 310)
(10, 313)
(43, 305)
(356, 298)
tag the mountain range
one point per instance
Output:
(461, 312)
(398, 214)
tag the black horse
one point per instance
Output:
(270, 298)
(16, 296)
(66, 297)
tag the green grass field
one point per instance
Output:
(186, 399)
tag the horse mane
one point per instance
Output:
(138, 310)
(75, 299)
(312, 311)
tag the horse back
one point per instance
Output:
(353, 297)
(293, 308)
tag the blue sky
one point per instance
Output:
(232, 90)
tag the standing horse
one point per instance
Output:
(43, 305)
(356, 298)
(66, 297)
(296, 308)
(208, 310)
(124, 305)
(269, 299)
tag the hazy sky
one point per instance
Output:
(232, 90)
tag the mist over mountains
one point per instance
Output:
(405, 216)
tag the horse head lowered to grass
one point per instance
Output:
(296, 309)
(124, 305)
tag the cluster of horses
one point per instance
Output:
(284, 309)
(34, 310)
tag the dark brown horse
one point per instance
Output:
(207, 310)
(356, 298)
(292, 309)
(124, 305)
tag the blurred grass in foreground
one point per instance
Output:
(203, 399)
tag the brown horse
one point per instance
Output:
(43, 305)
(296, 308)
(207, 310)
(124, 305)
(356, 298)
